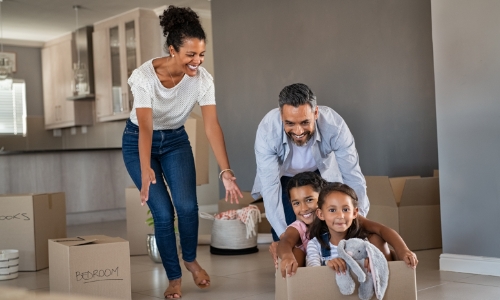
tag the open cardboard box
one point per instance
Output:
(409, 205)
(195, 130)
(27, 222)
(95, 265)
(264, 226)
(137, 228)
(319, 283)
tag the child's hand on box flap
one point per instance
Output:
(338, 264)
(289, 265)
(408, 257)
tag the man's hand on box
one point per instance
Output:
(273, 249)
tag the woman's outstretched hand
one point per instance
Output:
(148, 177)
(232, 189)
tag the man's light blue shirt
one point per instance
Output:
(333, 150)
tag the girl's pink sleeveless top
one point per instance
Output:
(302, 229)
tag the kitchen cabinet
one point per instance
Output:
(57, 76)
(121, 44)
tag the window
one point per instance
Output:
(13, 109)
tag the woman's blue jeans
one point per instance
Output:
(172, 160)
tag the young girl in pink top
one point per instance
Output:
(303, 191)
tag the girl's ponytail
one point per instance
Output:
(317, 229)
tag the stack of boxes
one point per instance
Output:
(410, 206)
(35, 225)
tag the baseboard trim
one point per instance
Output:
(479, 265)
(262, 238)
(208, 208)
(97, 216)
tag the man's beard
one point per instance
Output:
(308, 136)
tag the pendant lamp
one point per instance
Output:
(80, 83)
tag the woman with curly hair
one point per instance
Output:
(156, 146)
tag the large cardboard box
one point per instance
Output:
(409, 205)
(27, 222)
(14, 293)
(264, 226)
(137, 229)
(95, 265)
(402, 284)
(195, 129)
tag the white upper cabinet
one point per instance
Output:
(57, 76)
(121, 44)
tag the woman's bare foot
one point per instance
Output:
(174, 289)
(200, 276)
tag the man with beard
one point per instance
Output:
(300, 136)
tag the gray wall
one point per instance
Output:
(29, 68)
(371, 61)
(467, 67)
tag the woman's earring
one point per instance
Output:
(173, 55)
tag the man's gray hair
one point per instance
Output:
(297, 94)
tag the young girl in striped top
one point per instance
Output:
(338, 219)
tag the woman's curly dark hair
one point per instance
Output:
(179, 23)
(319, 227)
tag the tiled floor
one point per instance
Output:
(251, 277)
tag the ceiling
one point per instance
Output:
(25, 21)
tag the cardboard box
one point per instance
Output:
(409, 205)
(402, 284)
(264, 226)
(95, 265)
(195, 129)
(14, 293)
(137, 229)
(27, 222)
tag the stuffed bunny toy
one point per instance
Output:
(354, 251)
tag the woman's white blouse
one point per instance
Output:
(171, 107)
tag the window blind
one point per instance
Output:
(13, 109)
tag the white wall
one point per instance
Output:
(466, 38)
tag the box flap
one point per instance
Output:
(74, 241)
(397, 185)
(379, 192)
(422, 191)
